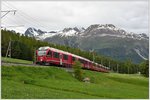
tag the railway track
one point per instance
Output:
(10, 64)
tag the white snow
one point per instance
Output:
(101, 27)
(46, 35)
(33, 32)
(69, 33)
(81, 29)
(60, 33)
(138, 52)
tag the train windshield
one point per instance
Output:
(41, 53)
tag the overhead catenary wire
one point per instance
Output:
(33, 21)
(14, 20)
(8, 11)
(26, 20)
(16, 23)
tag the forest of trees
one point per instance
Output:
(23, 47)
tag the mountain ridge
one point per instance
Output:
(107, 29)
(105, 39)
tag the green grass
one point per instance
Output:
(12, 60)
(51, 82)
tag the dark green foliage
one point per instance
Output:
(22, 47)
(144, 66)
(78, 73)
(117, 48)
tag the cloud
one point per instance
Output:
(55, 15)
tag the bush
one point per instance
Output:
(78, 70)
(144, 67)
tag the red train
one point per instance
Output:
(52, 56)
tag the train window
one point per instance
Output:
(73, 58)
(82, 61)
(41, 53)
(85, 62)
(65, 57)
(56, 55)
(49, 53)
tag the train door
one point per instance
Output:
(88, 65)
(60, 59)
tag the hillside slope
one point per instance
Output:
(104, 39)
(51, 82)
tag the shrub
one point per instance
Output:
(78, 73)
(144, 67)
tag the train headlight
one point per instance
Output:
(41, 59)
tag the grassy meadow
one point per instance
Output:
(53, 82)
(13, 60)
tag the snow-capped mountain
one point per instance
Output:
(93, 30)
(41, 35)
(32, 32)
(69, 32)
(111, 30)
(107, 40)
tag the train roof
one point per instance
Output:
(57, 50)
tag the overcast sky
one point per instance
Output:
(56, 15)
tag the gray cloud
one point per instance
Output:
(55, 15)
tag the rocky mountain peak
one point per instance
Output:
(67, 29)
(31, 32)
(79, 29)
(100, 30)
(73, 29)
(110, 25)
(94, 27)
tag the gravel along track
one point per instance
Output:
(32, 65)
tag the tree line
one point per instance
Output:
(23, 47)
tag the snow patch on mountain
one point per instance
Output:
(33, 31)
(138, 52)
(63, 33)
(68, 33)
(111, 30)
(71, 31)
(43, 36)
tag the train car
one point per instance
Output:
(52, 56)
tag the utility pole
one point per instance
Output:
(8, 11)
(8, 53)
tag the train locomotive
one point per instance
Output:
(51, 56)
